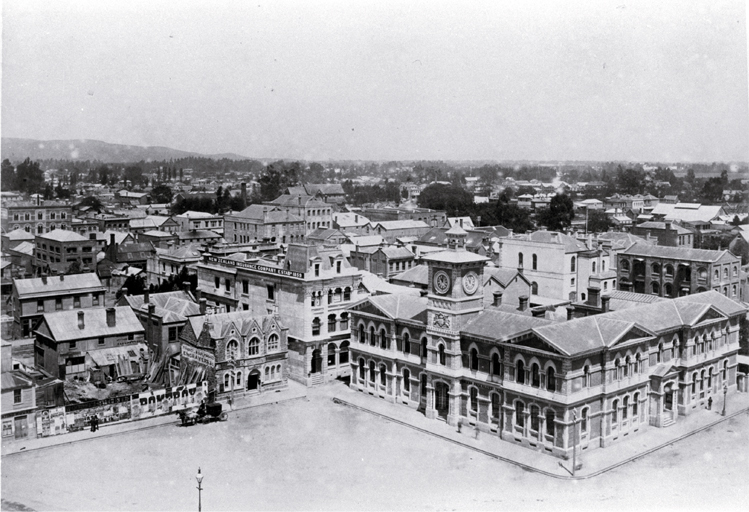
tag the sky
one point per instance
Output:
(382, 80)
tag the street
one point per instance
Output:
(313, 454)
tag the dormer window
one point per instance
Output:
(317, 270)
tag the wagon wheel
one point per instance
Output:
(223, 416)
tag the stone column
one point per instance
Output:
(454, 395)
(430, 411)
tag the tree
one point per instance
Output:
(162, 194)
(598, 221)
(8, 176)
(93, 202)
(558, 216)
(278, 176)
(29, 177)
(133, 174)
(455, 201)
(512, 216)
(630, 181)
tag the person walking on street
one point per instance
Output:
(94, 423)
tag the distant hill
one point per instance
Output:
(19, 149)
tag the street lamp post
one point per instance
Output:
(574, 442)
(725, 394)
(233, 367)
(199, 478)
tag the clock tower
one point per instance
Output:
(455, 296)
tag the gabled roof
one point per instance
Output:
(400, 306)
(688, 212)
(501, 325)
(63, 235)
(63, 325)
(400, 224)
(57, 285)
(170, 306)
(680, 230)
(418, 275)
(219, 325)
(19, 234)
(350, 219)
(588, 333)
(298, 200)
(679, 253)
(271, 214)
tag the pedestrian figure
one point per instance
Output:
(710, 403)
(477, 429)
(94, 423)
(460, 424)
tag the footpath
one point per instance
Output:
(595, 461)
(294, 391)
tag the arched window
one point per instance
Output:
(625, 407)
(474, 359)
(617, 369)
(346, 294)
(603, 266)
(372, 372)
(551, 381)
(372, 337)
(659, 354)
(550, 426)
(383, 338)
(702, 380)
(441, 349)
(520, 372)
(584, 420)
(655, 288)
(406, 380)
(227, 381)
(519, 414)
(495, 405)
(423, 384)
(625, 265)
(424, 350)
(520, 259)
(535, 412)
(535, 376)
(267, 373)
(330, 296)
(593, 267)
(406, 343)
(238, 379)
(655, 268)
(668, 290)
(572, 264)
(635, 405)
(232, 350)
(638, 363)
(586, 376)
(362, 369)
(273, 342)
(710, 378)
(331, 354)
(343, 353)
(362, 334)
(316, 327)
(534, 260)
(669, 271)
(615, 412)
(331, 323)
(694, 383)
(534, 288)
(496, 365)
(344, 321)
(474, 402)
(724, 375)
(383, 374)
(253, 347)
(627, 366)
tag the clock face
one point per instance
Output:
(441, 282)
(470, 283)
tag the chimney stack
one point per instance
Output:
(593, 295)
(111, 239)
(81, 323)
(668, 226)
(523, 302)
(203, 302)
(570, 311)
(497, 298)
(111, 317)
(605, 303)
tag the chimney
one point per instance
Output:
(146, 296)
(668, 226)
(111, 317)
(570, 311)
(203, 302)
(111, 239)
(593, 295)
(605, 303)
(186, 286)
(523, 302)
(81, 323)
(497, 298)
